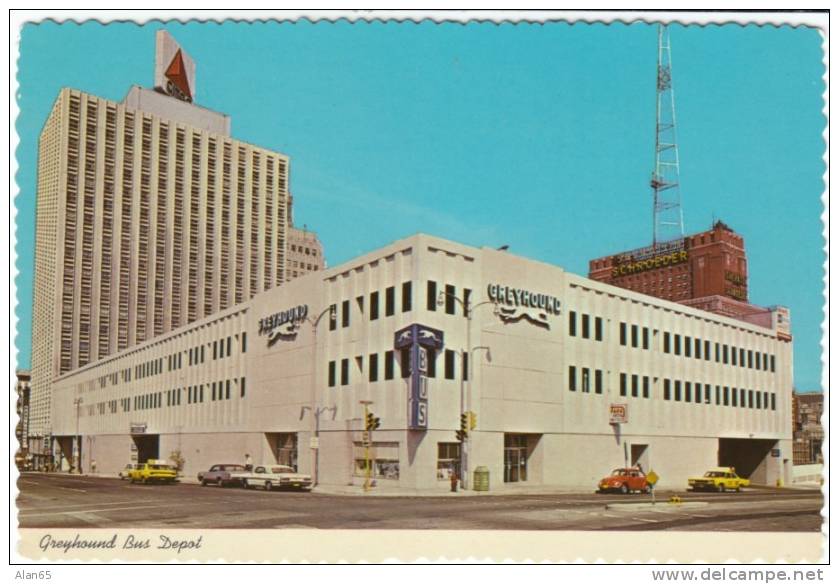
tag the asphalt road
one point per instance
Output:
(62, 501)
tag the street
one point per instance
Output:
(63, 501)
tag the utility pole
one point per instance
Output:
(668, 221)
(78, 439)
(315, 408)
(467, 366)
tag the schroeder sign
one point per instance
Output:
(283, 325)
(633, 267)
(516, 304)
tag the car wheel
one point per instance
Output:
(203, 482)
(737, 489)
(268, 485)
(721, 488)
(245, 484)
(624, 489)
(131, 480)
(647, 489)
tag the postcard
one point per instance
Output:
(508, 286)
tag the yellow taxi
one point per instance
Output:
(721, 478)
(153, 471)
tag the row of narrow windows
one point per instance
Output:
(221, 348)
(633, 385)
(725, 354)
(193, 394)
(378, 304)
(635, 336)
(455, 366)
(723, 395)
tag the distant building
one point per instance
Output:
(706, 270)
(150, 216)
(808, 434)
(22, 387)
(305, 253)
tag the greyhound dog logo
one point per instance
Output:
(287, 332)
(426, 335)
(512, 315)
(404, 337)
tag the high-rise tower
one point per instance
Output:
(668, 222)
(149, 216)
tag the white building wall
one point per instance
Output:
(520, 376)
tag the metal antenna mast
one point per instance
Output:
(668, 222)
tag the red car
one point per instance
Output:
(625, 480)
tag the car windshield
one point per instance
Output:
(281, 469)
(618, 472)
(714, 474)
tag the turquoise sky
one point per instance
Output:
(536, 136)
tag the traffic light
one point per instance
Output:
(372, 422)
(463, 433)
(473, 420)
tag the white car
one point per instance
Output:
(126, 472)
(273, 476)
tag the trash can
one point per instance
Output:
(481, 481)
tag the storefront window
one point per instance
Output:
(384, 458)
(448, 460)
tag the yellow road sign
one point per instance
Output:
(652, 478)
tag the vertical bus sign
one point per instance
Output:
(420, 340)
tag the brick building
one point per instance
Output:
(707, 270)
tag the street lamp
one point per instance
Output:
(465, 359)
(78, 439)
(315, 409)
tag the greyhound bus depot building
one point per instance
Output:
(568, 378)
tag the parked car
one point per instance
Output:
(625, 480)
(220, 474)
(153, 471)
(721, 479)
(273, 476)
(126, 472)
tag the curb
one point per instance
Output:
(662, 506)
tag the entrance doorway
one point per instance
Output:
(284, 448)
(147, 445)
(515, 458)
(640, 456)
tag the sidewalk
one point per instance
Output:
(390, 491)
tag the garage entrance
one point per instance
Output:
(750, 457)
(147, 445)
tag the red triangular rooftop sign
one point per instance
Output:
(176, 73)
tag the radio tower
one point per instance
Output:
(668, 223)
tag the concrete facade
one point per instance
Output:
(551, 353)
(147, 220)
